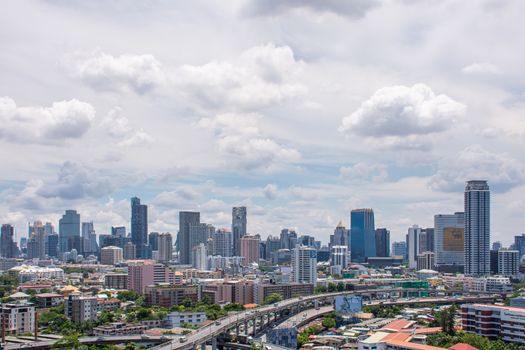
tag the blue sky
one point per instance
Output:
(300, 110)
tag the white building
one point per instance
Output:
(495, 322)
(495, 284)
(111, 255)
(304, 265)
(176, 319)
(199, 257)
(339, 256)
(449, 239)
(29, 273)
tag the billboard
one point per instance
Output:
(453, 239)
(347, 304)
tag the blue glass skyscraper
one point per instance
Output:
(362, 234)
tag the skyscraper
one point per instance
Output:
(399, 249)
(413, 245)
(477, 228)
(519, 244)
(186, 218)
(139, 227)
(288, 239)
(449, 241)
(382, 242)
(89, 239)
(304, 265)
(341, 236)
(165, 247)
(362, 234)
(8, 247)
(153, 239)
(238, 228)
(273, 244)
(69, 231)
(119, 231)
(222, 242)
(426, 240)
(250, 249)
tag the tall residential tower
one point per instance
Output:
(477, 228)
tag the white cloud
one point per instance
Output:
(102, 71)
(263, 76)
(473, 163)
(63, 120)
(270, 191)
(481, 68)
(77, 181)
(360, 172)
(118, 126)
(239, 137)
(398, 111)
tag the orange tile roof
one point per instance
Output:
(430, 330)
(412, 346)
(250, 306)
(397, 336)
(462, 346)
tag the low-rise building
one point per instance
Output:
(29, 273)
(495, 322)
(116, 281)
(287, 291)
(176, 319)
(119, 328)
(491, 284)
(47, 300)
(167, 295)
(108, 304)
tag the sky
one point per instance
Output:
(300, 110)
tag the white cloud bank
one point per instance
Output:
(35, 124)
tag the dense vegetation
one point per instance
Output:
(332, 287)
(303, 337)
(482, 343)
(272, 298)
(386, 311)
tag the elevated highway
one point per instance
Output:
(254, 321)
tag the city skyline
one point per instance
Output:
(298, 112)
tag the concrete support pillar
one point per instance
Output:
(214, 343)
(255, 326)
(203, 346)
(246, 327)
(237, 330)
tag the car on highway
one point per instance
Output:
(183, 339)
(145, 336)
(217, 323)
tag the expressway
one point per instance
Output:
(262, 317)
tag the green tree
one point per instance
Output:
(272, 298)
(332, 287)
(233, 307)
(340, 286)
(329, 322)
(69, 342)
(320, 289)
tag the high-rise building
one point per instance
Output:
(130, 251)
(362, 234)
(186, 219)
(304, 265)
(508, 262)
(477, 228)
(89, 239)
(111, 255)
(496, 245)
(52, 245)
(199, 257)
(306, 240)
(339, 256)
(413, 245)
(250, 249)
(143, 274)
(119, 231)
(425, 261)
(341, 236)
(288, 239)
(239, 223)
(200, 233)
(449, 241)
(382, 242)
(222, 242)
(139, 227)
(399, 249)
(165, 247)
(69, 231)
(426, 240)
(519, 244)
(273, 244)
(153, 239)
(8, 248)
